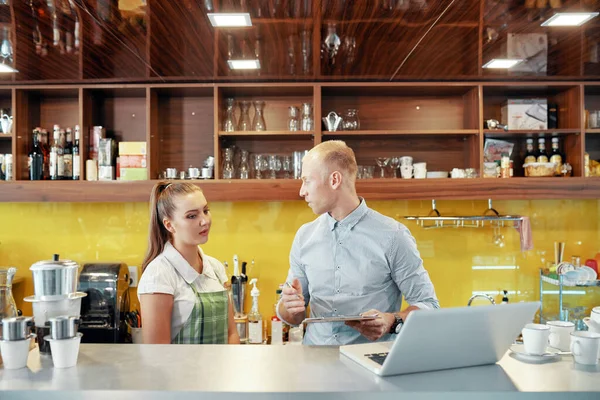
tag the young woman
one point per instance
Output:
(181, 290)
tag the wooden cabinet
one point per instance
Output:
(438, 123)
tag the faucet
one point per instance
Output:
(486, 296)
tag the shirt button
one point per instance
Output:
(335, 336)
(338, 290)
(335, 310)
(338, 267)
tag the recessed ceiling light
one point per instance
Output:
(569, 19)
(6, 69)
(502, 63)
(244, 64)
(229, 20)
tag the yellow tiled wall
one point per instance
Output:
(460, 261)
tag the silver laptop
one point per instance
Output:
(446, 338)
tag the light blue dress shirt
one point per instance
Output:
(366, 261)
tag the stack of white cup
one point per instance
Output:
(562, 336)
(406, 167)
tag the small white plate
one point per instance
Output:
(518, 350)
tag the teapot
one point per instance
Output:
(6, 122)
(332, 121)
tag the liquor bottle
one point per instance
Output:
(276, 323)
(556, 156)
(68, 155)
(60, 164)
(76, 157)
(542, 156)
(68, 24)
(36, 158)
(530, 156)
(255, 324)
(58, 39)
(54, 154)
(42, 25)
(46, 152)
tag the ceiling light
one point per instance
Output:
(229, 20)
(7, 69)
(569, 19)
(244, 64)
(502, 63)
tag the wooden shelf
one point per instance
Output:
(284, 190)
(501, 132)
(271, 134)
(6, 137)
(401, 132)
(400, 22)
(593, 131)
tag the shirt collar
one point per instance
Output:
(187, 272)
(351, 219)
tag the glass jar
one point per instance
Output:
(228, 168)
(351, 121)
(8, 307)
(307, 117)
(244, 124)
(229, 121)
(294, 119)
(244, 170)
(259, 123)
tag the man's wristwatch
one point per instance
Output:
(395, 328)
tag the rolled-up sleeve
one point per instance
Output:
(296, 271)
(408, 271)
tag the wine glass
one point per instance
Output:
(395, 163)
(382, 163)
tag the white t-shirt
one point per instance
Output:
(170, 273)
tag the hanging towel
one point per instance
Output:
(524, 228)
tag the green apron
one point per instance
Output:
(209, 321)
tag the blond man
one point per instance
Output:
(351, 259)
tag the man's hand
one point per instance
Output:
(292, 301)
(374, 329)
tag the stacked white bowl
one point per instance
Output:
(55, 287)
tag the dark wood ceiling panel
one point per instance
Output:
(297, 40)
(182, 39)
(114, 40)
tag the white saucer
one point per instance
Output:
(518, 350)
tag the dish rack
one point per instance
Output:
(435, 220)
(551, 287)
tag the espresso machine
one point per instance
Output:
(103, 310)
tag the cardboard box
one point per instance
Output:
(106, 153)
(132, 148)
(132, 161)
(133, 174)
(525, 114)
(106, 173)
(532, 48)
(96, 133)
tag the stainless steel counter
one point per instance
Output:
(196, 372)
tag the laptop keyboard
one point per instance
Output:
(379, 358)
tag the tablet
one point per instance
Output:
(341, 318)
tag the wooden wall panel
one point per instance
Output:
(411, 112)
(185, 129)
(441, 153)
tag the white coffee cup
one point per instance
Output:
(406, 160)
(560, 334)
(593, 321)
(420, 170)
(535, 338)
(406, 171)
(585, 347)
(457, 173)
